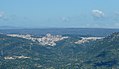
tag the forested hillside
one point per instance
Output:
(18, 53)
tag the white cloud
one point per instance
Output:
(4, 16)
(1, 14)
(97, 13)
(65, 19)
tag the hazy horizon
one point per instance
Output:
(59, 14)
(18, 27)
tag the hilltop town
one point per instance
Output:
(48, 39)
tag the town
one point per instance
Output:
(48, 39)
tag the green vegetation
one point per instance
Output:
(100, 54)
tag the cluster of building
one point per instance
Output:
(27, 36)
(45, 40)
(16, 57)
(87, 39)
(50, 39)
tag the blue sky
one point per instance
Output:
(60, 13)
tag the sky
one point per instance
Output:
(60, 13)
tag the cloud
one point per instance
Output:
(97, 14)
(1, 14)
(65, 19)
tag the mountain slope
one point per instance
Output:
(104, 54)
(18, 53)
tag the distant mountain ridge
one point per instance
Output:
(62, 31)
(10, 27)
